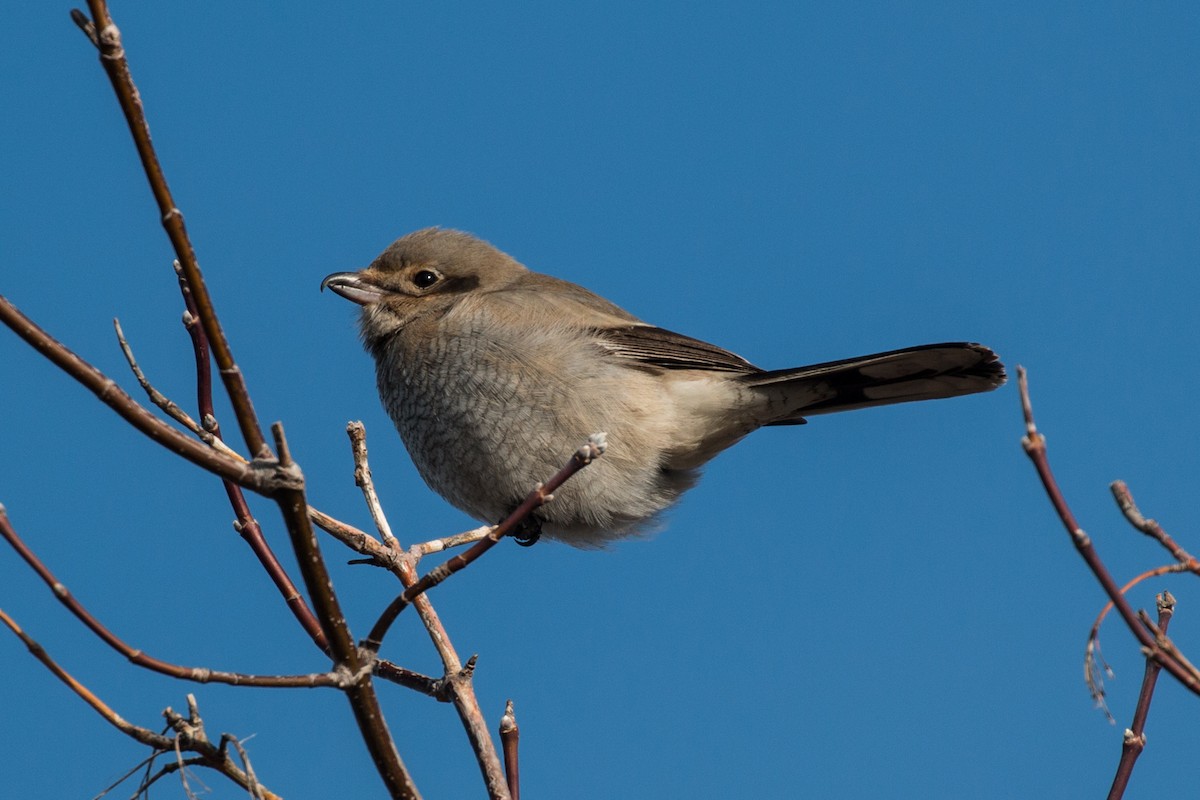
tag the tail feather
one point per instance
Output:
(928, 372)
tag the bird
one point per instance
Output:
(494, 374)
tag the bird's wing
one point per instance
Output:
(657, 347)
(615, 330)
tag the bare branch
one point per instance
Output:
(138, 657)
(112, 58)
(540, 495)
(258, 476)
(362, 479)
(510, 736)
(1094, 667)
(210, 756)
(361, 692)
(1035, 447)
(1149, 527)
(169, 406)
(1134, 741)
(456, 684)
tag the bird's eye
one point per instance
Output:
(426, 278)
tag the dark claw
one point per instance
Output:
(528, 531)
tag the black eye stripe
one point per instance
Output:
(425, 278)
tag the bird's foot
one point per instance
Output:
(528, 531)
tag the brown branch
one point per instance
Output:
(258, 476)
(364, 703)
(138, 657)
(456, 684)
(200, 353)
(282, 481)
(166, 404)
(1134, 741)
(510, 736)
(210, 756)
(1149, 527)
(1035, 447)
(244, 522)
(107, 38)
(288, 492)
(540, 495)
(1094, 667)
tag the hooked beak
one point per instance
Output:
(353, 287)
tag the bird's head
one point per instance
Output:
(426, 272)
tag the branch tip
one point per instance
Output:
(85, 25)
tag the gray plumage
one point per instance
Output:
(494, 375)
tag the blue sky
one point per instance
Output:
(879, 604)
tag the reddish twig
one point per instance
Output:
(510, 736)
(104, 34)
(1134, 741)
(208, 755)
(138, 657)
(1095, 669)
(244, 522)
(1161, 651)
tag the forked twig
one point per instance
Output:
(1134, 740)
(104, 35)
(169, 406)
(542, 494)
(208, 755)
(287, 482)
(456, 684)
(139, 657)
(1161, 651)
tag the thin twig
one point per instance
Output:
(1035, 447)
(542, 494)
(416, 551)
(245, 524)
(1095, 668)
(1134, 741)
(138, 657)
(1124, 498)
(169, 406)
(210, 756)
(258, 476)
(456, 684)
(510, 736)
(255, 789)
(362, 479)
(112, 58)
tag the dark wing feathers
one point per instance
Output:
(926, 372)
(658, 347)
